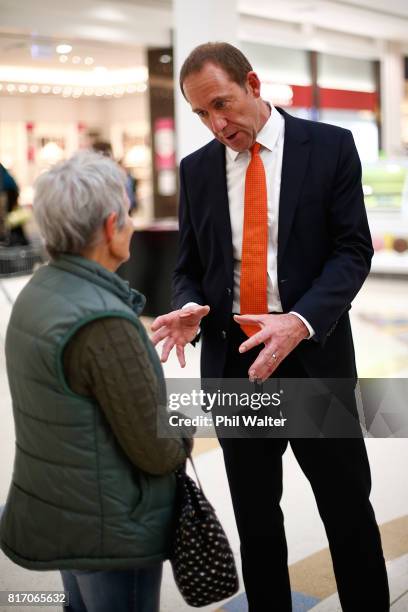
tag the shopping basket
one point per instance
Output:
(20, 261)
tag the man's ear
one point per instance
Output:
(109, 226)
(254, 84)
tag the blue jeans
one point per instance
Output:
(135, 590)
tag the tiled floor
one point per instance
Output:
(380, 326)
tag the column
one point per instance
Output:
(196, 22)
(392, 93)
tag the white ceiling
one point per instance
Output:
(368, 18)
(115, 32)
(40, 51)
(123, 22)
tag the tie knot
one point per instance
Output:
(255, 149)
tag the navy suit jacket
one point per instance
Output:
(324, 244)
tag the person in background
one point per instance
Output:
(131, 187)
(9, 192)
(93, 486)
(105, 148)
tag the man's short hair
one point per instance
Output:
(222, 54)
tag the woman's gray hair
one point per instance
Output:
(75, 197)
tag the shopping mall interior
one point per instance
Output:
(76, 74)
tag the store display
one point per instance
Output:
(385, 186)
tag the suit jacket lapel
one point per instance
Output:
(296, 150)
(220, 206)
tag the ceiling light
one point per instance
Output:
(76, 59)
(45, 89)
(99, 92)
(140, 87)
(109, 91)
(10, 88)
(89, 61)
(34, 88)
(22, 88)
(67, 91)
(64, 48)
(63, 59)
(165, 58)
(51, 153)
(88, 91)
(131, 88)
(138, 155)
(1, 86)
(56, 90)
(77, 92)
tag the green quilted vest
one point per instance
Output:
(75, 501)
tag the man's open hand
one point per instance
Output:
(178, 328)
(280, 334)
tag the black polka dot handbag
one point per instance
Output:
(202, 560)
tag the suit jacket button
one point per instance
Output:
(229, 290)
(224, 334)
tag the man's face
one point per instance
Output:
(230, 111)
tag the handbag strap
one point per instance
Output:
(190, 458)
(196, 475)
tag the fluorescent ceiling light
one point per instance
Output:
(79, 78)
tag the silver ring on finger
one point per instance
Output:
(274, 356)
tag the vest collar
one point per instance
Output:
(97, 274)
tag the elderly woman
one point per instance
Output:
(93, 488)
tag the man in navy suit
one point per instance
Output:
(318, 256)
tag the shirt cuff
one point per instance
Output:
(309, 327)
(189, 304)
(192, 304)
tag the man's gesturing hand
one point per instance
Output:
(177, 328)
(280, 334)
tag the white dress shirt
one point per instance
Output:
(271, 139)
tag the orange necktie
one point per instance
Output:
(253, 286)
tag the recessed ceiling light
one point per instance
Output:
(10, 88)
(22, 88)
(141, 87)
(89, 61)
(34, 88)
(76, 59)
(63, 59)
(56, 90)
(63, 48)
(45, 89)
(165, 58)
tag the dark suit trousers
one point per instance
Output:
(339, 473)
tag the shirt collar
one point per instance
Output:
(267, 136)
